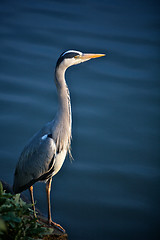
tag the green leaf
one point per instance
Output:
(6, 208)
(11, 217)
(1, 188)
(12, 224)
(2, 225)
(17, 198)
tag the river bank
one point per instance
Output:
(6, 209)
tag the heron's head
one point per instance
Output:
(73, 57)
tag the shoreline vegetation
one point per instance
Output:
(17, 221)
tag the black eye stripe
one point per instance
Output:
(67, 55)
(70, 55)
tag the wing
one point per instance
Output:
(36, 162)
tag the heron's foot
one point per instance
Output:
(56, 225)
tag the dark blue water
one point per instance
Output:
(111, 189)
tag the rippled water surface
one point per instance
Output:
(111, 189)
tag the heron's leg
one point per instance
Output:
(48, 190)
(32, 200)
(50, 222)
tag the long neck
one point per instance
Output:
(64, 97)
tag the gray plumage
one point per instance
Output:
(45, 153)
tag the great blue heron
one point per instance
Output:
(45, 153)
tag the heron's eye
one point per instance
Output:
(77, 56)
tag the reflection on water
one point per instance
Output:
(110, 191)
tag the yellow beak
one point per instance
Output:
(90, 55)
